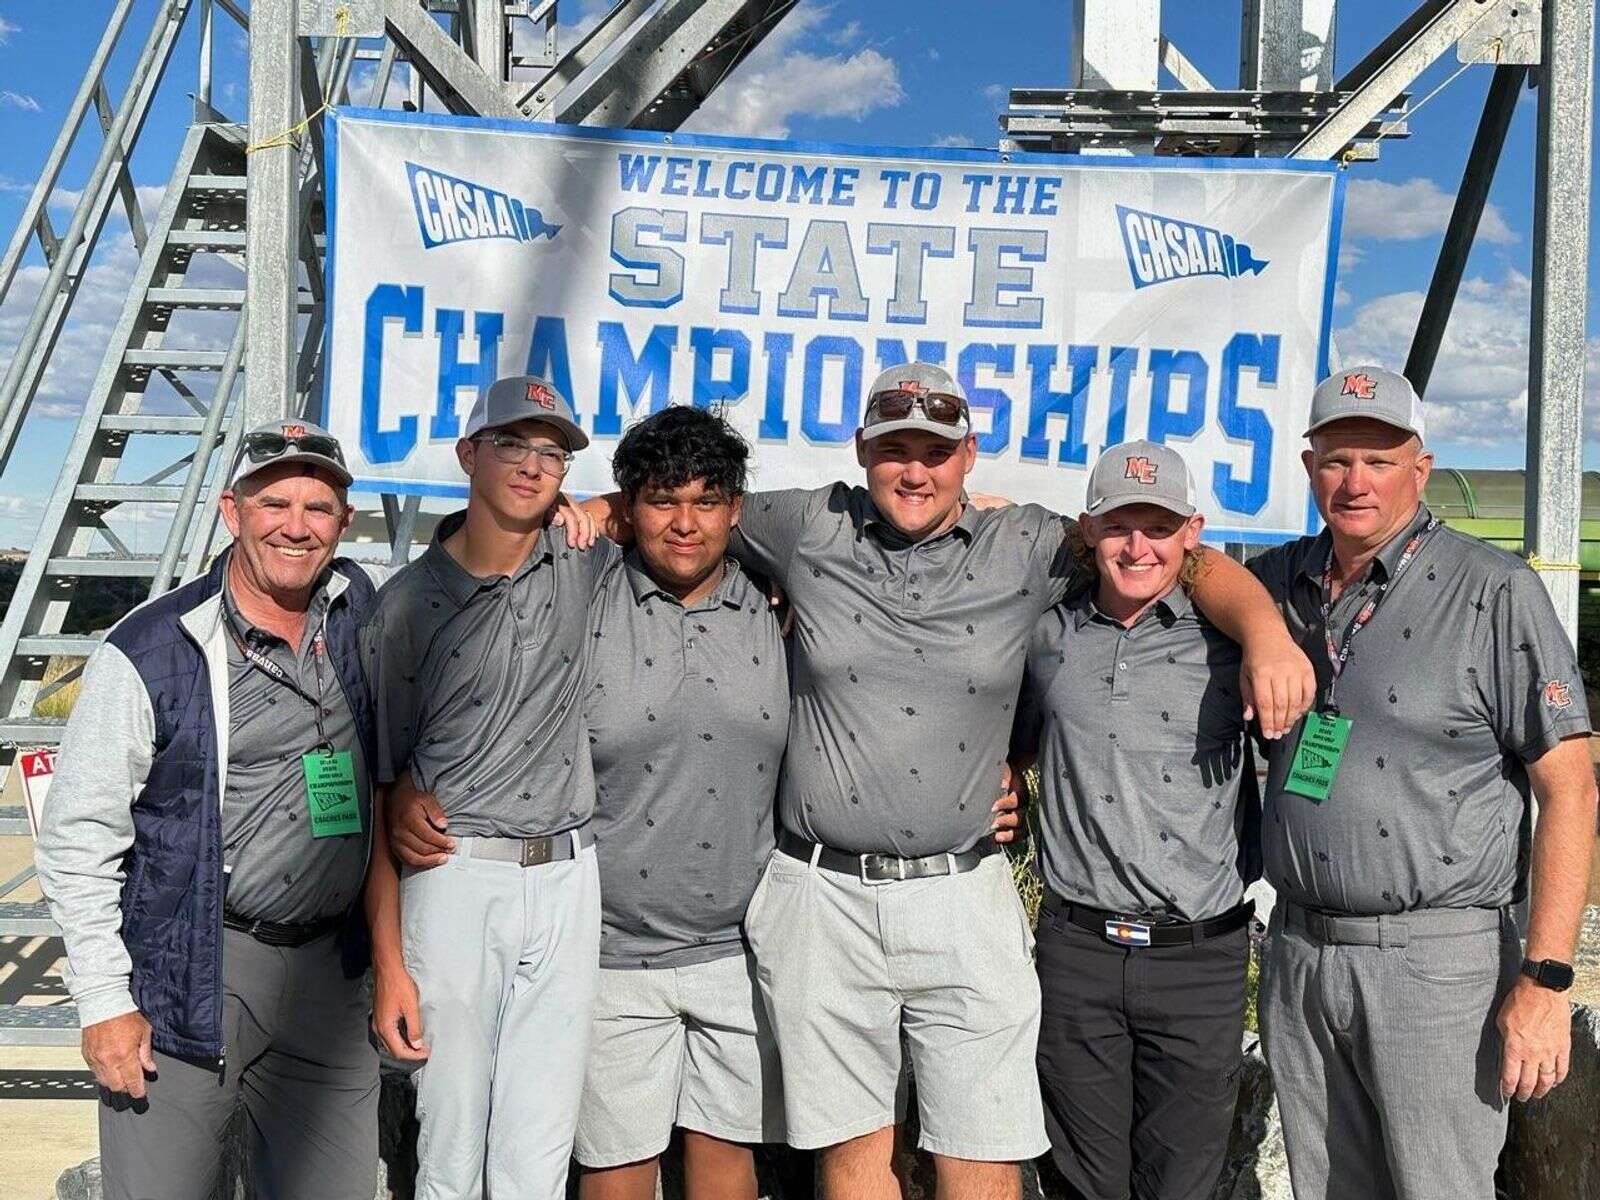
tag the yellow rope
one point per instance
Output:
(341, 28)
(1539, 564)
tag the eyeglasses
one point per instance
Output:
(513, 450)
(264, 447)
(897, 405)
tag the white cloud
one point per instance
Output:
(780, 81)
(19, 100)
(846, 34)
(995, 92)
(7, 28)
(149, 195)
(953, 139)
(1416, 208)
(8, 184)
(1479, 388)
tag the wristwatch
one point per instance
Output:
(1548, 972)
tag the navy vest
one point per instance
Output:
(173, 888)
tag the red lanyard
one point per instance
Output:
(1338, 656)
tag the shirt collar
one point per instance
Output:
(321, 598)
(1383, 563)
(966, 524)
(1167, 610)
(644, 587)
(461, 585)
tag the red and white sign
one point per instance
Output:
(38, 769)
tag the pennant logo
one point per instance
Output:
(451, 210)
(1160, 249)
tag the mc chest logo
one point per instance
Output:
(451, 210)
(1161, 249)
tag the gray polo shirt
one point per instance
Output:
(906, 657)
(687, 711)
(277, 870)
(477, 685)
(1148, 801)
(1462, 675)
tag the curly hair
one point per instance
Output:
(678, 445)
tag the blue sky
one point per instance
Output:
(886, 72)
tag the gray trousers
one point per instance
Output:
(298, 1059)
(506, 960)
(1386, 1058)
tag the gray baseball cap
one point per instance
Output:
(289, 440)
(525, 398)
(1367, 391)
(922, 384)
(1140, 473)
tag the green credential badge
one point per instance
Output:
(331, 793)
(1316, 757)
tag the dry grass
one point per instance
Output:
(58, 705)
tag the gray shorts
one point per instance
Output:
(686, 1046)
(851, 972)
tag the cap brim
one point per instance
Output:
(331, 465)
(573, 434)
(951, 433)
(1391, 422)
(1128, 500)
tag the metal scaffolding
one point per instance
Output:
(1289, 103)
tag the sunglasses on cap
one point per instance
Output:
(897, 405)
(265, 446)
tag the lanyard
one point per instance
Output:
(281, 677)
(1339, 655)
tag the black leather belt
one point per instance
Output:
(279, 933)
(1121, 929)
(886, 868)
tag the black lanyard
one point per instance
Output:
(1340, 655)
(278, 675)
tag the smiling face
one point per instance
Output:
(518, 494)
(1367, 478)
(682, 532)
(286, 522)
(1138, 551)
(915, 478)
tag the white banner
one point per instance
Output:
(1081, 301)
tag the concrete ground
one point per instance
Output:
(47, 1113)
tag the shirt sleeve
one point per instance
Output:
(769, 529)
(86, 830)
(390, 661)
(1272, 569)
(1056, 548)
(1538, 696)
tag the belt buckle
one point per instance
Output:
(1128, 933)
(536, 851)
(879, 862)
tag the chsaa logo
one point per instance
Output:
(1161, 249)
(457, 210)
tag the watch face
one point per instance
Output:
(1549, 973)
(1555, 974)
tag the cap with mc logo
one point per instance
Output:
(1367, 391)
(1140, 473)
(916, 396)
(525, 398)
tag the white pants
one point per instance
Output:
(506, 960)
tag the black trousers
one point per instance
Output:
(1139, 1058)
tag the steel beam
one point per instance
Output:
(1388, 70)
(1287, 45)
(489, 37)
(1470, 199)
(443, 65)
(1560, 292)
(272, 233)
(539, 99)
